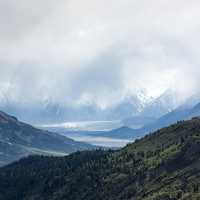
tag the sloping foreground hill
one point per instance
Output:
(161, 166)
(18, 140)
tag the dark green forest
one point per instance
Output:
(164, 165)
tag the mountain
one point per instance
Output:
(120, 133)
(156, 108)
(181, 113)
(128, 107)
(137, 122)
(164, 165)
(162, 105)
(18, 140)
(48, 111)
(134, 111)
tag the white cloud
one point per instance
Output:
(73, 50)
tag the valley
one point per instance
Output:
(99, 100)
(92, 132)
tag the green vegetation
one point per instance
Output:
(164, 165)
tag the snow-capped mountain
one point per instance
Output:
(137, 110)
(49, 111)
(158, 107)
(162, 105)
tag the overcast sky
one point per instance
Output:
(98, 50)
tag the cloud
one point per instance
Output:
(98, 51)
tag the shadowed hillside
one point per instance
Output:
(18, 140)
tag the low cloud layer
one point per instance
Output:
(75, 51)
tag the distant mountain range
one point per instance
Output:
(162, 105)
(184, 112)
(179, 114)
(18, 140)
(137, 122)
(48, 111)
(140, 114)
(146, 124)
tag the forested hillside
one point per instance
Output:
(164, 165)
